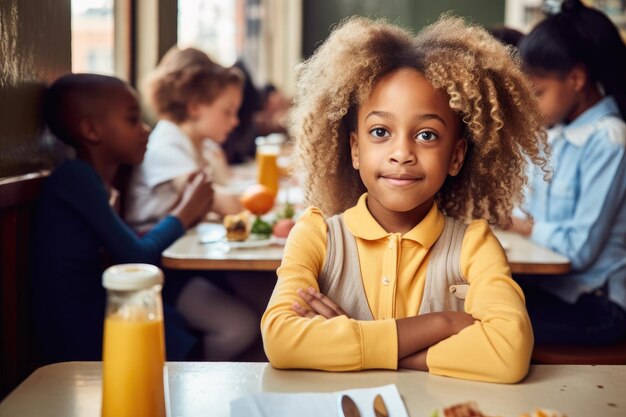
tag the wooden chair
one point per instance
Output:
(17, 204)
(579, 355)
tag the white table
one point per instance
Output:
(528, 257)
(205, 389)
(525, 257)
(188, 253)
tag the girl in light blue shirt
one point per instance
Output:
(577, 63)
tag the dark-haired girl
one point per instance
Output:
(576, 60)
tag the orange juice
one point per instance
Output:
(268, 173)
(132, 368)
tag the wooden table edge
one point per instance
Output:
(272, 265)
(220, 264)
(540, 269)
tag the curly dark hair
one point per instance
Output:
(186, 75)
(486, 89)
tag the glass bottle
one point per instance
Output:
(133, 359)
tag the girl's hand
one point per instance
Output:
(458, 320)
(319, 304)
(522, 226)
(196, 200)
(418, 333)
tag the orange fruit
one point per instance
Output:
(258, 199)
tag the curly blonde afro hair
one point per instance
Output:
(486, 88)
(495, 101)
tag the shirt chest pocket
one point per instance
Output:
(561, 201)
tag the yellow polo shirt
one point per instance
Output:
(497, 347)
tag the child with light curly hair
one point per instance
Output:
(196, 101)
(410, 146)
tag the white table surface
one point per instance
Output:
(528, 257)
(525, 257)
(205, 389)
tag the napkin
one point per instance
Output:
(316, 404)
(210, 232)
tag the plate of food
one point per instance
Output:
(471, 409)
(238, 234)
(217, 234)
(250, 243)
(253, 228)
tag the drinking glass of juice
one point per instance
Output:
(267, 151)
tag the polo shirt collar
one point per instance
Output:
(362, 224)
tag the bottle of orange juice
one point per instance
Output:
(267, 151)
(133, 363)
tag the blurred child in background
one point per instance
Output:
(576, 60)
(78, 233)
(262, 112)
(506, 35)
(196, 101)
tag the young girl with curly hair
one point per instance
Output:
(576, 60)
(196, 101)
(410, 146)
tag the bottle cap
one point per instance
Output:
(127, 277)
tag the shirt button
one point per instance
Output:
(386, 281)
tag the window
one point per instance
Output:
(264, 34)
(209, 25)
(93, 36)
(524, 14)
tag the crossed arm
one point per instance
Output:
(415, 334)
(494, 344)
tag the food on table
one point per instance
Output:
(258, 199)
(470, 409)
(542, 412)
(236, 226)
(282, 227)
(261, 228)
(287, 212)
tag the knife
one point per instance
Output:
(348, 407)
(380, 410)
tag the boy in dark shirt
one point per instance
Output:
(78, 233)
